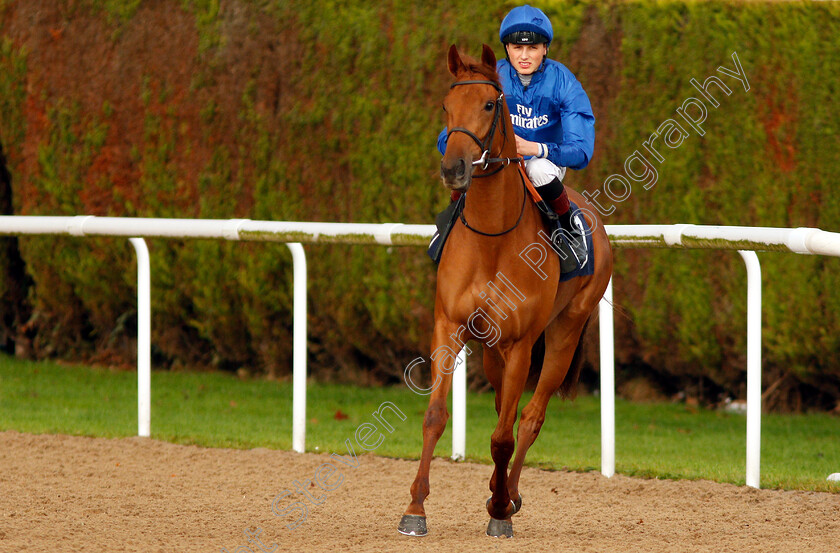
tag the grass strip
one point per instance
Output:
(656, 440)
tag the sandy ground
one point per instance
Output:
(66, 493)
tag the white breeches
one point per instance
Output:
(542, 171)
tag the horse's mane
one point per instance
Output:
(485, 71)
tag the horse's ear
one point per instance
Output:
(487, 56)
(455, 63)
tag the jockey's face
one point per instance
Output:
(526, 58)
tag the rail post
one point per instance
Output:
(144, 339)
(753, 477)
(607, 340)
(299, 348)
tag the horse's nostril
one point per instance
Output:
(462, 168)
(455, 171)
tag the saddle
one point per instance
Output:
(446, 219)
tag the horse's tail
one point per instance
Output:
(568, 389)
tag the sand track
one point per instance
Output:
(67, 493)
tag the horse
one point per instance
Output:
(491, 291)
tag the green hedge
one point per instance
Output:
(328, 111)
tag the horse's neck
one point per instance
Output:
(495, 202)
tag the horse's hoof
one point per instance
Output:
(517, 504)
(413, 525)
(500, 528)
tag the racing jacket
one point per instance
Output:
(553, 109)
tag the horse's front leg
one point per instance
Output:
(444, 352)
(517, 361)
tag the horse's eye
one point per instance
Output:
(489, 106)
(443, 107)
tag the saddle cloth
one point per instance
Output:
(446, 219)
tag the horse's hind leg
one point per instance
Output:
(413, 522)
(562, 337)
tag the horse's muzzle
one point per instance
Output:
(456, 175)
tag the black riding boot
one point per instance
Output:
(570, 237)
(444, 222)
(572, 243)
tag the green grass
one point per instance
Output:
(219, 410)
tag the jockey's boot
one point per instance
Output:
(570, 238)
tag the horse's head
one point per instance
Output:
(474, 115)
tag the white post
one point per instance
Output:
(753, 368)
(144, 339)
(607, 338)
(459, 407)
(299, 348)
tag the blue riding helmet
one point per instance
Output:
(526, 25)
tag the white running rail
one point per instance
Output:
(746, 240)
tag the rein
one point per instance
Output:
(516, 224)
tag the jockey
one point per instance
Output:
(551, 115)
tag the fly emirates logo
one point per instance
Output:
(524, 118)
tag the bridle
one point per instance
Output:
(487, 144)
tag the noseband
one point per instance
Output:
(487, 144)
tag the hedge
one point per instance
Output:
(328, 111)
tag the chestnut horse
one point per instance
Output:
(491, 289)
